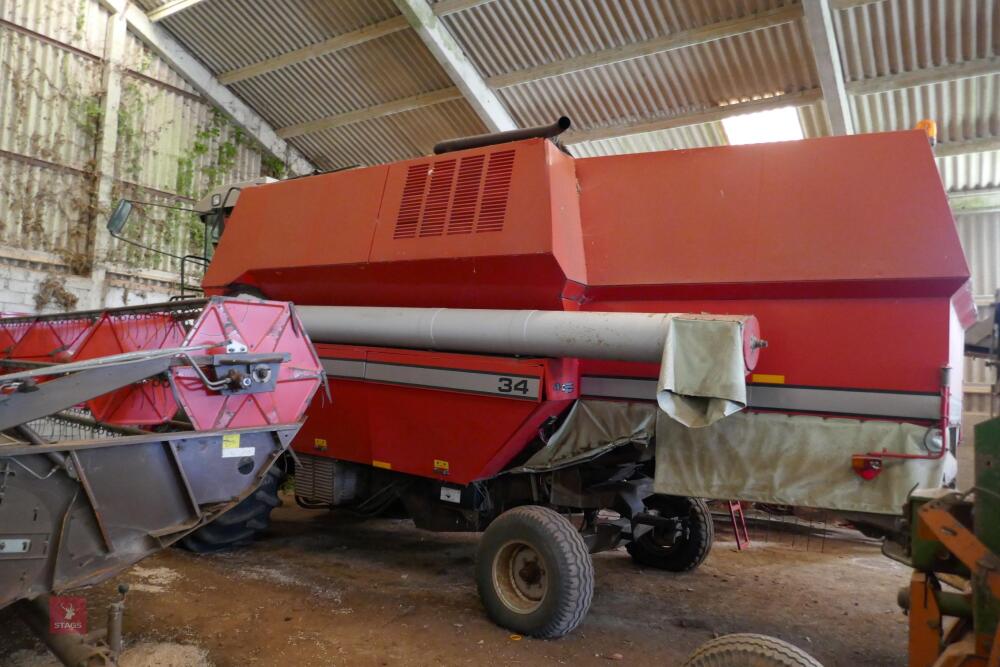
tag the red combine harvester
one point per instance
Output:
(569, 354)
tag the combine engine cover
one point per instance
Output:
(844, 249)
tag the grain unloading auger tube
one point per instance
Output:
(229, 378)
(703, 359)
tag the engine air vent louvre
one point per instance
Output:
(413, 198)
(438, 198)
(467, 188)
(449, 197)
(496, 190)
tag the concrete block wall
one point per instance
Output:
(26, 285)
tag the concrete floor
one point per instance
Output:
(327, 589)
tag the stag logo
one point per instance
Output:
(67, 615)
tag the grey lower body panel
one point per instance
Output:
(861, 402)
(115, 501)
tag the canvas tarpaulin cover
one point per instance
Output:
(763, 457)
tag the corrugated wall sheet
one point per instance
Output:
(172, 144)
(980, 235)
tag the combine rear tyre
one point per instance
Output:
(240, 525)
(534, 572)
(749, 650)
(680, 549)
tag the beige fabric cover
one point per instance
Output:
(782, 459)
(796, 460)
(702, 377)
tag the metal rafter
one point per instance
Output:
(922, 77)
(178, 57)
(978, 200)
(449, 54)
(694, 118)
(332, 45)
(826, 53)
(170, 8)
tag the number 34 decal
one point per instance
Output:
(512, 386)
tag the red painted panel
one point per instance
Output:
(409, 428)
(897, 344)
(53, 340)
(322, 220)
(149, 402)
(859, 208)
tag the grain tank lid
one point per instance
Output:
(861, 213)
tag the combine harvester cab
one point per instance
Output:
(85, 492)
(571, 354)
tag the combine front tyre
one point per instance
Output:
(240, 525)
(534, 572)
(682, 547)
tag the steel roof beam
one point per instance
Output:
(922, 77)
(450, 56)
(709, 115)
(826, 54)
(326, 47)
(980, 145)
(377, 111)
(178, 57)
(170, 8)
(978, 200)
(341, 42)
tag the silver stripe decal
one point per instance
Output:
(642, 390)
(878, 403)
(511, 386)
(344, 368)
(798, 399)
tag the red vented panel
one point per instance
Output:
(413, 199)
(438, 198)
(467, 189)
(496, 191)
(456, 199)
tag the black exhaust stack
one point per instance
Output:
(540, 132)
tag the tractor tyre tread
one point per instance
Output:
(241, 524)
(686, 556)
(573, 585)
(749, 650)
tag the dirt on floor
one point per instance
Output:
(329, 589)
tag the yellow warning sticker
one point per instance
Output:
(382, 464)
(764, 378)
(320, 444)
(232, 448)
(441, 467)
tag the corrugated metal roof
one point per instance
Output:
(228, 34)
(963, 109)
(375, 72)
(504, 36)
(970, 171)
(893, 36)
(690, 79)
(510, 35)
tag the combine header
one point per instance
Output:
(225, 382)
(570, 354)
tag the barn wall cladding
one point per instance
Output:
(58, 181)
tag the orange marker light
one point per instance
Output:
(930, 129)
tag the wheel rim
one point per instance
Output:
(520, 577)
